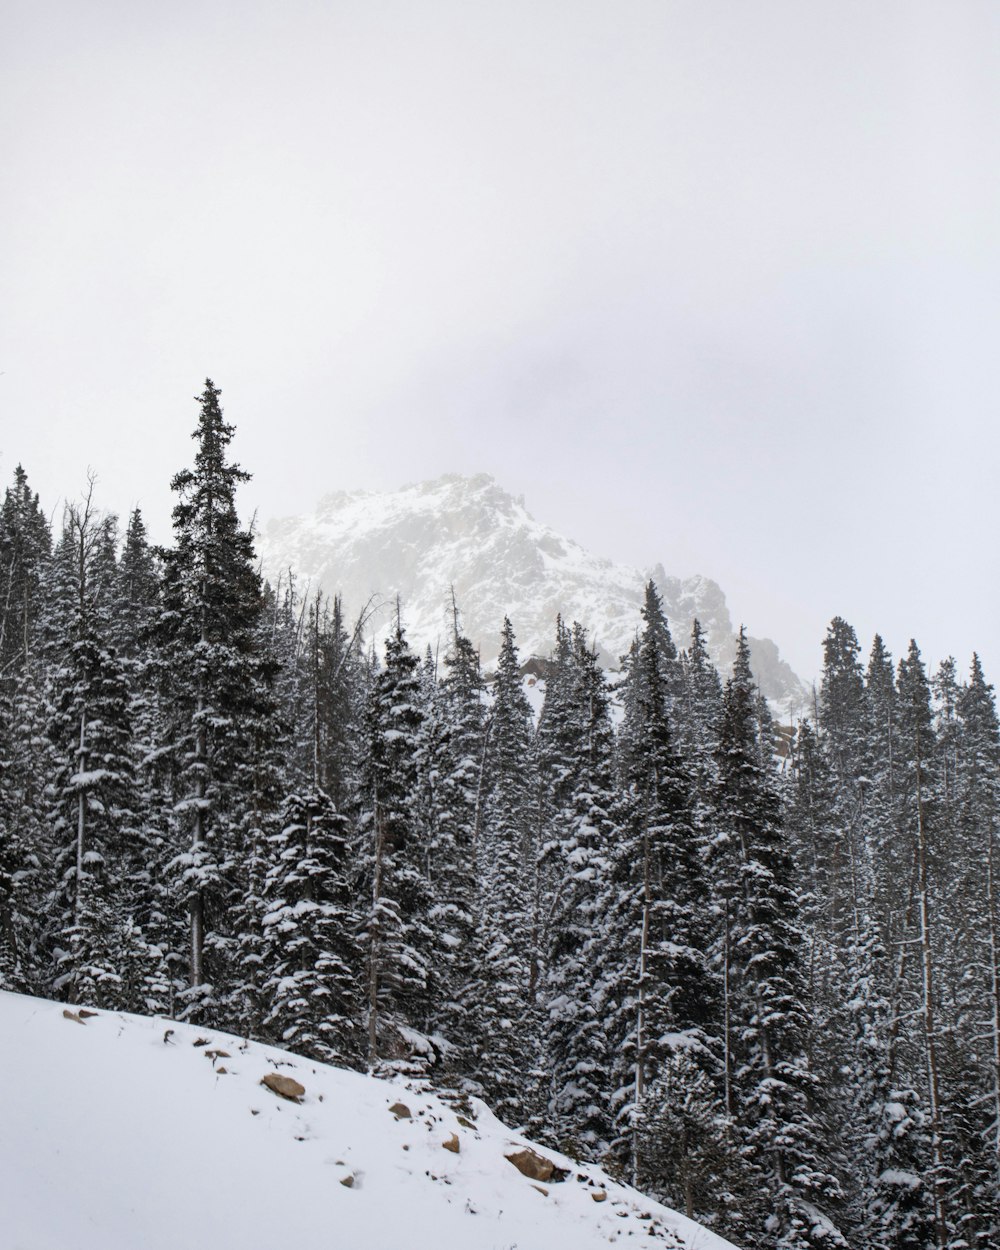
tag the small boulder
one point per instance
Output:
(452, 1144)
(599, 1195)
(531, 1164)
(401, 1111)
(283, 1086)
(348, 1180)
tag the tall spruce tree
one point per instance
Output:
(661, 991)
(770, 1090)
(575, 1041)
(394, 854)
(25, 550)
(93, 826)
(452, 771)
(214, 683)
(310, 955)
(506, 1008)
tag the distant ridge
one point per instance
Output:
(468, 532)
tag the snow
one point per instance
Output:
(122, 1131)
(468, 535)
(905, 1180)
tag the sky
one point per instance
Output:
(712, 283)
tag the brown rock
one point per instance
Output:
(283, 1086)
(599, 1195)
(347, 1181)
(532, 1165)
(464, 1122)
(542, 1190)
(452, 1144)
(84, 1014)
(401, 1111)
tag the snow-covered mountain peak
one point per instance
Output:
(468, 534)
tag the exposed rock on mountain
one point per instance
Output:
(470, 534)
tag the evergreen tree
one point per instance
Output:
(770, 1089)
(661, 993)
(309, 952)
(507, 1020)
(92, 821)
(25, 546)
(576, 1045)
(453, 775)
(394, 852)
(978, 799)
(214, 683)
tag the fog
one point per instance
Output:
(712, 284)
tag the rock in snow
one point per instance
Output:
(468, 533)
(533, 1165)
(141, 1144)
(284, 1086)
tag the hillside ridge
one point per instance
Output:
(126, 1131)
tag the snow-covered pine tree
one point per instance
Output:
(452, 785)
(506, 1016)
(25, 548)
(770, 1089)
(393, 852)
(824, 821)
(959, 942)
(338, 702)
(214, 686)
(697, 714)
(661, 994)
(92, 819)
(311, 964)
(917, 795)
(138, 588)
(575, 1043)
(893, 1177)
(978, 845)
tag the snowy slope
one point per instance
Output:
(116, 1134)
(469, 533)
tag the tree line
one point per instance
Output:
(764, 986)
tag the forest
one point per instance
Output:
(755, 973)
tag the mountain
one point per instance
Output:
(470, 534)
(122, 1131)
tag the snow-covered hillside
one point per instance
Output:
(120, 1132)
(468, 533)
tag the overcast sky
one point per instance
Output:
(711, 283)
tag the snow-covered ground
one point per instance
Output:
(122, 1132)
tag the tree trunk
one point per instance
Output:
(374, 951)
(81, 814)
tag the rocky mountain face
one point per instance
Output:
(467, 533)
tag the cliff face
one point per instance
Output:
(471, 535)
